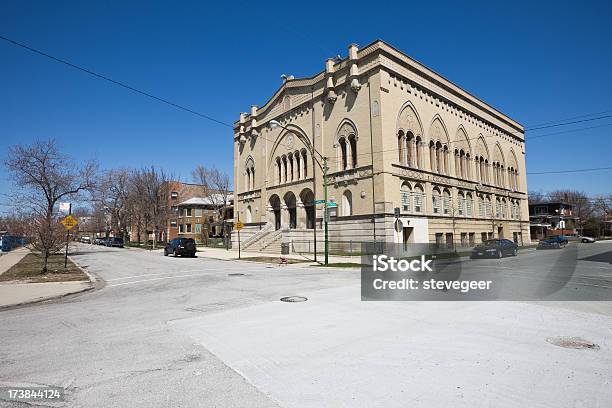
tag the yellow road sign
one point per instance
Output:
(239, 226)
(69, 222)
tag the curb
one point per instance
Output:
(46, 299)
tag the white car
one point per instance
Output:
(586, 240)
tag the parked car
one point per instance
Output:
(495, 248)
(85, 240)
(103, 241)
(586, 240)
(98, 241)
(556, 242)
(114, 242)
(180, 246)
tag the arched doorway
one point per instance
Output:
(276, 210)
(290, 202)
(307, 198)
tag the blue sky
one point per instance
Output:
(535, 61)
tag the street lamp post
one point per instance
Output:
(274, 124)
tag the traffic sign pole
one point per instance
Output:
(239, 224)
(325, 213)
(67, 238)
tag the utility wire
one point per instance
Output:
(567, 123)
(571, 171)
(121, 84)
(571, 118)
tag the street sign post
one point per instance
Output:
(238, 227)
(69, 223)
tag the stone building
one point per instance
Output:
(411, 156)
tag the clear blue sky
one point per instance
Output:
(535, 61)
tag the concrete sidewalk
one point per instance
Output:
(8, 259)
(14, 294)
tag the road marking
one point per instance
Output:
(154, 279)
(151, 274)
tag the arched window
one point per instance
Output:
(284, 159)
(405, 197)
(488, 207)
(445, 163)
(481, 206)
(298, 166)
(418, 147)
(343, 158)
(278, 171)
(410, 150)
(347, 203)
(418, 197)
(305, 163)
(291, 167)
(498, 208)
(436, 201)
(446, 202)
(457, 161)
(400, 146)
(469, 205)
(248, 214)
(460, 204)
(504, 208)
(249, 179)
(353, 143)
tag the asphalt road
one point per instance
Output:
(208, 333)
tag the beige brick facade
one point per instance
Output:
(395, 135)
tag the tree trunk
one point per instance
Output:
(46, 261)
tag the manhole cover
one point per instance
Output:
(235, 274)
(572, 342)
(293, 299)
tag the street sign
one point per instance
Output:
(329, 203)
(239, 226)
(69, 222)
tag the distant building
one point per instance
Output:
(199, 218)
(551, 218)
(183, 202)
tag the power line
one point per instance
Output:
(567, 123)
(567, 131)
(121, 84)
(572, 118)
(571, 171)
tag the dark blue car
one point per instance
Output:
(556, 242)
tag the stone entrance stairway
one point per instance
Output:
(269, 240)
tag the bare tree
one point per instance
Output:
(216, 189)
(149, 200)
(44, 176)
(112, 195)
(536, 197)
